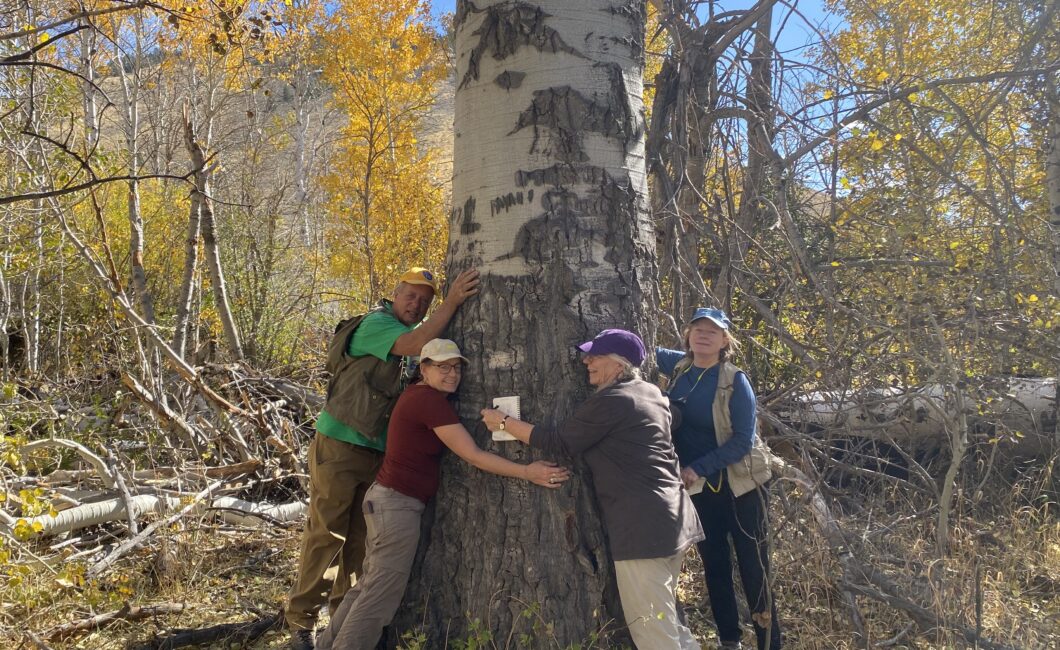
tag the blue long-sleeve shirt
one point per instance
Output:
(695, 441)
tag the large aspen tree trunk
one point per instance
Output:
(1052, 174)
(551, 206)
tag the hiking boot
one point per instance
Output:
(302, 640)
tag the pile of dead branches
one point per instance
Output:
(148, 453)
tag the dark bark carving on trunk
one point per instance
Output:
(566, 249)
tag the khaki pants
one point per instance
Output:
(393, 533)
(648, 590)
(339, 476)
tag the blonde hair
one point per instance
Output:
(726, 353)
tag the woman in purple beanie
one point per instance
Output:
(623, 433)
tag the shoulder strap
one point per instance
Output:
(340, 340)
(680, 368)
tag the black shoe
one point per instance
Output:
(302, 640)
(731, 645)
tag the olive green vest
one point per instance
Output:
(362, 391)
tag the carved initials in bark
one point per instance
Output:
(505, 29)
(569, 114)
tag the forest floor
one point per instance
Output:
(1000, 576)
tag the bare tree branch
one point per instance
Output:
(122, 6)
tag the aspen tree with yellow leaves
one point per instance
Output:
(384, 65)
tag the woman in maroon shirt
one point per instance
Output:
(422, 425)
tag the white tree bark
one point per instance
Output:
(550, 204)
(230, 510)
(210, 245)
(87, 68)
(131, 85)
(191, 263)
(31, 301)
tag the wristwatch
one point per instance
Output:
(503, 420)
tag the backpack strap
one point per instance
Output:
(340, 340)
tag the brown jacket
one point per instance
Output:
(623, 433)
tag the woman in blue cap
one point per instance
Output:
(726, 467)
(623, 433)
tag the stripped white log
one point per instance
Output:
(1023, 408)
(102, 512)
(257, 514)
(232, 510)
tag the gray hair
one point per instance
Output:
(628, 371)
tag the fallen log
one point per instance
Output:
(230, 634)
(126, 613)
(251, 514)
(1019, 410)
(231, 510)
(92, 514)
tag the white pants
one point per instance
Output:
(648, 589)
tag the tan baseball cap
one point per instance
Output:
(441, 350)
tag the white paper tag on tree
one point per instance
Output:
(510, 406)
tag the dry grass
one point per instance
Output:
(1006, 550)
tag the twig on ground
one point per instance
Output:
(112, 462)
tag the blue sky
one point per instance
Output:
(795, 36)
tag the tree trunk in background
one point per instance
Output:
(551, 205)
(132, 86)
(1052, 175)
(30, 302)
(758, 195)
(5, 316)
(209, 241)
(679, 149)
(87, 67)
(187, 286)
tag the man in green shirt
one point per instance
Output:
(342, 460)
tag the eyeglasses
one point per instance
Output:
(446, 368)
